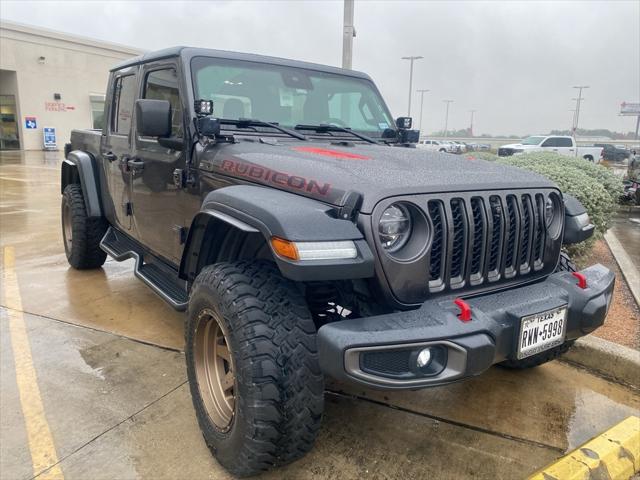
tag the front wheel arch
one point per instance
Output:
(214, 239)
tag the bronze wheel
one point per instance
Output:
(67, 228)
(214, 369)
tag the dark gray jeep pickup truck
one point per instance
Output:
(282, 207)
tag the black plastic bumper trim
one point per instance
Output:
(489, 338)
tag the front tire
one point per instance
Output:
(81, 234)
(252, 365)
(564, 265)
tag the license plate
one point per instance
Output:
(542, 331)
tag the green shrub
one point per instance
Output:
(595, 186)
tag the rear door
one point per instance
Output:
(566, 147)
(116, 147)
(157, 200)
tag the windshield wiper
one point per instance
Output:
(323, 127)
(248, 122)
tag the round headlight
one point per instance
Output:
(553, 212)
(395, 227)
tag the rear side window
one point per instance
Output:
(163, 85)
(124, 95)
(564, 142)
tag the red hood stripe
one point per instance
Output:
(332, 153)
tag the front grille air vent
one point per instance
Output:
(497, 220)
(479, 234)
(459, 246)
(437, 218)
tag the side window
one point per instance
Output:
(564, 142)
(124, 94)
(550, 142)
(163, 85)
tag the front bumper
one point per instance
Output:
(469, 347)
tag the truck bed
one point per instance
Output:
(87, 140)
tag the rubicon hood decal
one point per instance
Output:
(274, 177)
(317, 170)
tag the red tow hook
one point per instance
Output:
(582, 279)
(465, 310)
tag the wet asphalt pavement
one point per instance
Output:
(106, 356)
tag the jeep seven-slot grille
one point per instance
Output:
(490, 238)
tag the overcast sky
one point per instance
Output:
(514, 62)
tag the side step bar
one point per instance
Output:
(162, 278)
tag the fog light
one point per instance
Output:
(424, 358)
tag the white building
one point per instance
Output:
(51, 79)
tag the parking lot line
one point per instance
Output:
(614, 454)
(41, 445)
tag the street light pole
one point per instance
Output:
(446, 117)
(573, 117)
(348, 32)
(421, 92)
(578, 101)
(411, 60)
(471, 122)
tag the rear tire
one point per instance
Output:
(564, 265)
(273, 406)
(81, 234)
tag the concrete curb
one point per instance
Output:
(606, 358)
(629, 270)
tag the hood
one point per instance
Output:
(326, 172)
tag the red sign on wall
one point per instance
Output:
(57, 107)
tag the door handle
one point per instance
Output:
(112, 157)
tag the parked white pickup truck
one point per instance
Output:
(437, 146)
(564, 145)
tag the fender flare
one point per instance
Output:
(274, 213)
(577, 225)
(81, 167)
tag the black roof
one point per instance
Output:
(190, 52)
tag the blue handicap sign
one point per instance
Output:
(49, 134)
(30, 122)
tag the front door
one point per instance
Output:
(116, 147)
(158, 216)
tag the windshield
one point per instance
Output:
(532, 140)
(289, 96)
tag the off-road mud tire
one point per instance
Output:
(278, 383)
(565, 264)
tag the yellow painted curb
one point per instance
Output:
(614, 454)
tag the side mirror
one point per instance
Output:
(153, 117)
(577, 226)
(404, 123)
